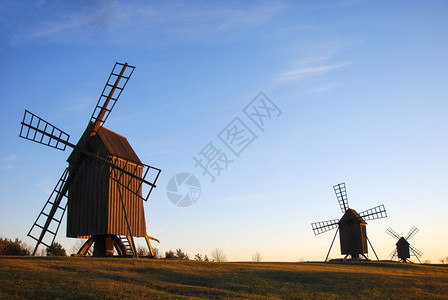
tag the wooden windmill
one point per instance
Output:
(351, 227)
(403, 249)
(104, 185)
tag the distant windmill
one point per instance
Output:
(351, 227)
(404, 249)
(103, 185)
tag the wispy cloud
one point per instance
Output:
(10, 158)
(323, 88)
(305, 71)
(117, 22)
(8, 162)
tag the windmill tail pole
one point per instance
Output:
(331, 246)
(372, 249)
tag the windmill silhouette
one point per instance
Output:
(104, 185)
(351, 227)
(403, 249)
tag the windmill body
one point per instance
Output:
(403, 249)
(351, 227)
(102, 188)
(352, 234)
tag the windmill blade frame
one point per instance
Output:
(341, 195)
(377, 212)
(413, 231)
(36, 129)
(109, 95)
(51, 214)
(417, 253)
(392, 233)
(130, 169)
(324, 226)
(393, 254)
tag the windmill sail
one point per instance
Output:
(392, 233)
(47, 224)
(393, 254)
(118, 79)
(417, 253)
(341, 194)
(377, 212)
(412, 232)
(40, 131)
(324, 226)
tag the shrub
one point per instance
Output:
(9, 247)
(170, 255)
(181, 255)
(56, 249)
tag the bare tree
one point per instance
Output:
(198, 257)
(156, 252)
(142, 251)
(426, 261)
(257, 257)
(218, 255)
(442, 260)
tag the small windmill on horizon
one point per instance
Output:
(102, 188)
(404, 250)
(351, 227)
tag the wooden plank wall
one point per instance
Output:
(87, 205)
(133, 204)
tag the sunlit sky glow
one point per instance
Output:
(361, 85)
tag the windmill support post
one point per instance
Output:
(372, 248)
(332, 244)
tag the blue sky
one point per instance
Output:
(361, 86)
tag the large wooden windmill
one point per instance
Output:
(351, 227)
(104, 185)
(403, 249)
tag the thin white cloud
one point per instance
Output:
(301, 72)
(323, 88)
(10, 158)
(8, 162)
(117, 22)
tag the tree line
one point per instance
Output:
(18, 248)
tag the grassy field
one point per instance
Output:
(113, 278)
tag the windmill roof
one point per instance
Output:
(351, 216)
(117, 145)
(402, 241)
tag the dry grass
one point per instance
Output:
(89, 278)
